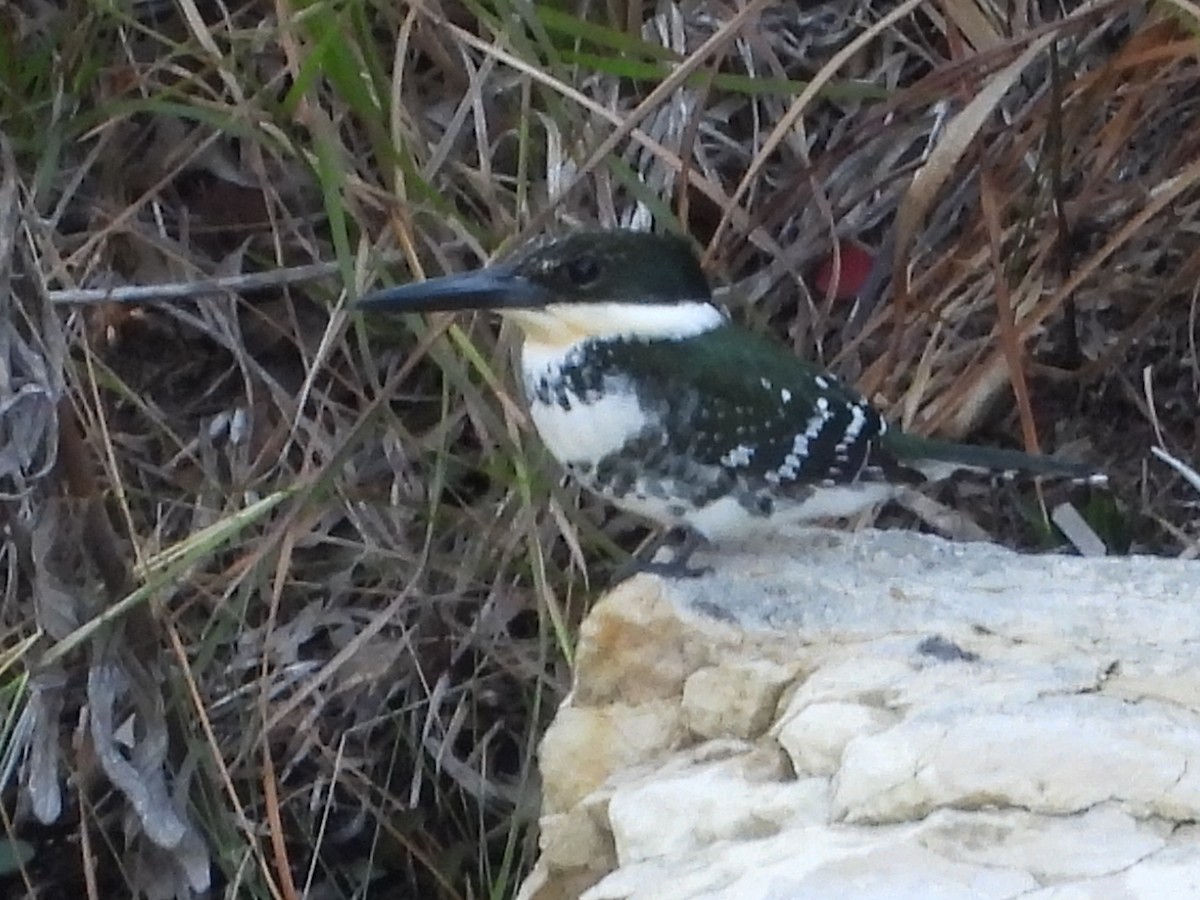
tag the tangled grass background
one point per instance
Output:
(286, 604)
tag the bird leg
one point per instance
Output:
(685, 541)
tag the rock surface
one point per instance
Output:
(881, 715)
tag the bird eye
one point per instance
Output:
(583, 271)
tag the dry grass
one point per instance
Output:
(286, 604)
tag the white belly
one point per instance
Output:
(585, 433)
(726, 518)
(589, 428)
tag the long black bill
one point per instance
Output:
(496, 287)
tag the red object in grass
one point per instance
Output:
(856, 262)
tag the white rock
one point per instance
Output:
(1093, 844)
(1057, 755)
(813, 862)
(882, 715)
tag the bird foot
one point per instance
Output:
(671, 569)
(675, 567)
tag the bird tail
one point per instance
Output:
(938, 459)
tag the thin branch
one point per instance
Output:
(187, 290)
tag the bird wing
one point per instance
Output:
(730, 399)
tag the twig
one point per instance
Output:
(1190, 475)
(185, 290)
(1076, 529)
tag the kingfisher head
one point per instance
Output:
(589, 285)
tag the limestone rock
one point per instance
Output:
(881, 715)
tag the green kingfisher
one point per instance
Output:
(647, 393)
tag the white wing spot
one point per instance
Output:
(794, 461)
(822, 382)
(738, 456)
(858, 418)
(785, 395)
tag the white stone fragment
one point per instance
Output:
(735, 700)
(722, 804)
(815, 736)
